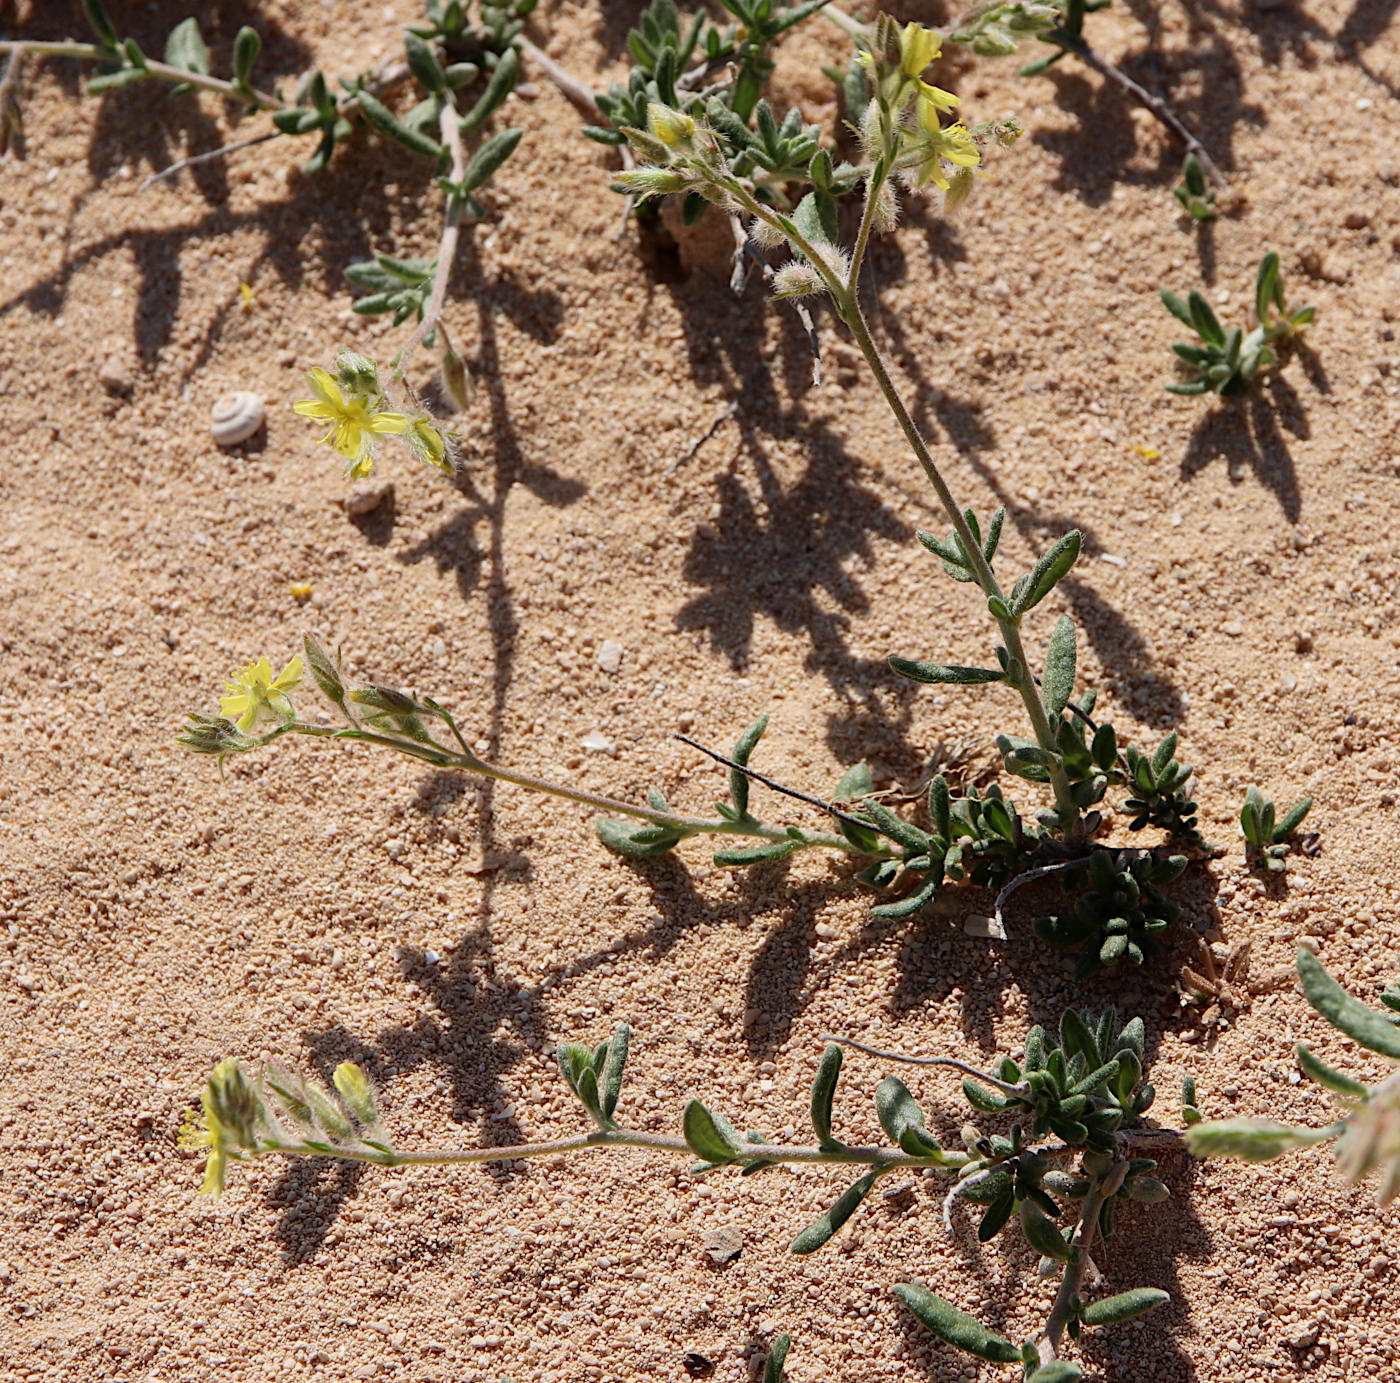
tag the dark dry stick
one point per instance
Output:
(827, 807)
(1145, 98)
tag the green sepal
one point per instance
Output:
(956, 1327)
(842, 1208)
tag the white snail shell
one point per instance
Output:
(235, 417)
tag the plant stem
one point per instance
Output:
(1048, 1342)
(600, 1138)
(1010, 628)
(468, 762)
(450, 127)
(90, 52)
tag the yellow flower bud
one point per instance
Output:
(671, 127)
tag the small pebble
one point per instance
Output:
(235, 417)
(722, 1245)
(596, 742)
(609, 657)
(365, 496)
(1233, 628)
(975, 925)
(114, 376)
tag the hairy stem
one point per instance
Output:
(90, 52)
(450, 127)
(599, 1138)
(1048, 1341)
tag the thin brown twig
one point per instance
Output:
(1146, 99)
(208, 156)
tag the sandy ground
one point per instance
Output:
(325, 902)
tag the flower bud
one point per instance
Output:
(670, 126)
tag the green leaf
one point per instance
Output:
(743, 748)
(907, 907)
(1292, 820)
(1124, 1306)
(1057, 1371)
(247, 44)
(1177, 308)
(855, 782)
(1250, 1140)
(980, 1098)
(1046, 573)
(842, 1208)
(633, 840)
(1057, 685)
(1267, 287)
(710, 1136)
(944, 672)
(1204, 320)
(489, 158)
(423, 63)
(187, 50)
(497, 89)
(1371, 1029)
(956, 1327)
(1041, 1233)
(823, 1092)
(388, 124)
(815, 215)
(902, 1118)
(940, 806)
(613, 1068)
(1316, 1069)
(777, 1356)
(101, 25)
(742, 857)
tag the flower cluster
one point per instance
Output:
(353, 402)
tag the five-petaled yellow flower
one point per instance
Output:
(354, 427)
(950, 142)
(255, 690)
(917, 48)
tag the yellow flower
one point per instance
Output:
(945, 142)
(917, 48)
(354, 427)
(255, 690)
(936, 97)
(667, 125)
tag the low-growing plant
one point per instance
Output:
(1074, 1150)
(1196, 195)
(1227, 362)
(1266, 839)
(1367, 1131)
(463, 62)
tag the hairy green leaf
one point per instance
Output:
(956, 1327)
(944, 672)
(823, 1092)
(842, 1208)
(1124, 1306)
(1364, 1025)
(1057, 685)
(1047, 572)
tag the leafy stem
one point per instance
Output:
(178, 76)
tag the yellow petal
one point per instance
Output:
(388, 422)
(316, 408)
(289, 676)
(231, 706)
(325, 387)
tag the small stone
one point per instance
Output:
(1233, 628)
(596, 742)
(722, 1245)
(365, 496)
(609, 656)
(1357, 220)
(975, 925)
(1305, 1338)
(114, 376)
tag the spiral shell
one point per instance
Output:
(235, 417)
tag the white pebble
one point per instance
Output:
(984, 926)
(235, 417)
(596, 742)
(609, 656)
